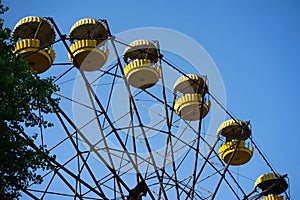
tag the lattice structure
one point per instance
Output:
(104, 155)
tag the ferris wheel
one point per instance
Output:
(122, 133)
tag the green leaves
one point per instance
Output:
(24, 100)
(2, 8)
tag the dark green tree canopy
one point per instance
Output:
(24, 98)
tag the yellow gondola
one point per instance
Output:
(141, 70)
(189, 84)
(276, 181)
(34, 27)
(241, 156)
(234, 129)
(38, 60)
(141, 49)
(87, 55)
(142, 73)
(273, 197)
(188, 107)
(89, 28)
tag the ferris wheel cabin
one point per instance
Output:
(34, 36)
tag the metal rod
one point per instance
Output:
(137, 115)
(63, 37)
(133, 137)
(54, 163)
(29, 194)
(203, 92)
(205, 162)
(205, 143)
(110, 94)
(48, 185)
(97, 153)
(80, 155)
(169, 139)
(167, 145)
(100, 128)
(68, 184)
(226, 168)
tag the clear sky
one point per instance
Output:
(255, 45)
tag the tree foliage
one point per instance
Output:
(24, 98)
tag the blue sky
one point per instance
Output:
(255, 44)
